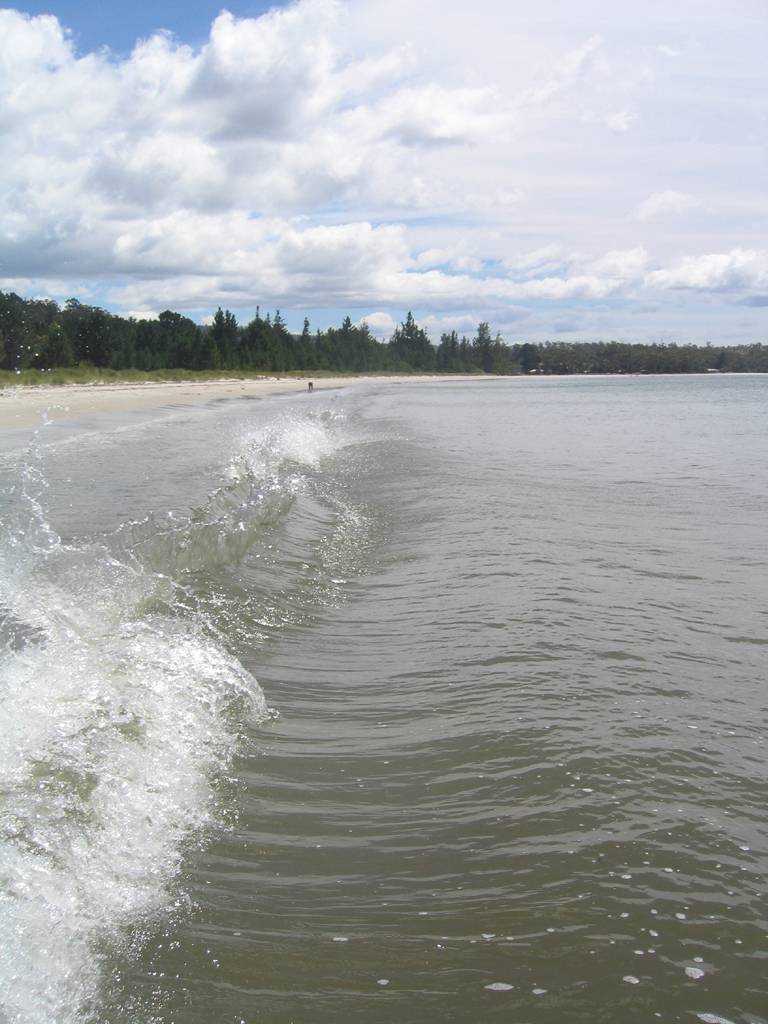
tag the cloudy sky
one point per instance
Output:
(565, 169)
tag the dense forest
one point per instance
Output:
(40, 334)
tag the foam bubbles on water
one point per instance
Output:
(301, 441)
(117, 721)
(109, 770)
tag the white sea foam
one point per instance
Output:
(116, 722)
(302, 441)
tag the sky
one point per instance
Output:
(562, 169)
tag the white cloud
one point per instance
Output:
(506, 319)
(246, 261)
(547, 260)
(28, 44)
(463, 324)
(624, 264)
(579, 286)
(458, 257)
(618, 122)
(667, 202)
(738, 270)
(143, 314)
(379, 155)
(575, 61)
(431, 115)
(382, 325)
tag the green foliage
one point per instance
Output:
(41, 342)
(410, 348)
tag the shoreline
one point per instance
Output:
(26, 406)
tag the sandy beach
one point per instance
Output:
(23, 407)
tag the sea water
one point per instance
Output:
(400, 703)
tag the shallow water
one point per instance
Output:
(434, 701)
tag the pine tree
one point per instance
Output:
(411, 346)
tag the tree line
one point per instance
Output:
(40, 334)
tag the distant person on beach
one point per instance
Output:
(310, 386)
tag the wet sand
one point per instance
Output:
(22, 407)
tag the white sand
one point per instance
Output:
(22, 407)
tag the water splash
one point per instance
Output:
(121, 705)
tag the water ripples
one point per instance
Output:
(519, 767)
